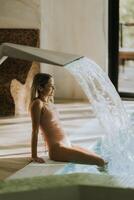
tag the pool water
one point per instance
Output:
(117, 146)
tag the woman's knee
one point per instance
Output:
(58, 154)
(54, 153)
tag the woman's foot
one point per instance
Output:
(101, 162)
(103, 168)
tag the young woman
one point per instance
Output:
(45, 117)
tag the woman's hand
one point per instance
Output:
(38, 160)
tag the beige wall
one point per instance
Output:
(20, 14)
(74, 26)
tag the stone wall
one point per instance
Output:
(16, 75)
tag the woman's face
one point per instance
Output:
(48, 89)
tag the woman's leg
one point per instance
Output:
(82, 149)
(72, 154)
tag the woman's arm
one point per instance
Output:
(35, 116)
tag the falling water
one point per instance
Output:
(117, 145)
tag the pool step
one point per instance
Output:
(66, 112)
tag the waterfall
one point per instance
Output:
(117, 145)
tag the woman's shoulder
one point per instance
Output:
(36, 103)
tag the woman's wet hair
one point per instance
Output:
(39, 81)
